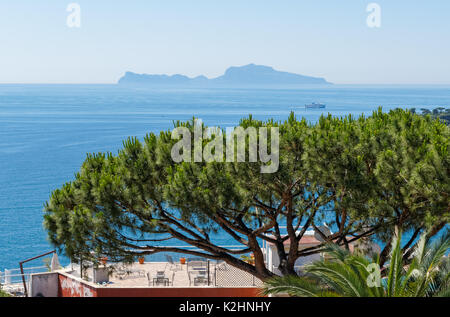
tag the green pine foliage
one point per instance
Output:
(440, 113)
(364, 176)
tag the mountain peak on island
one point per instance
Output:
(250, 67)
(247, 75)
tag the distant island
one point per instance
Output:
(248, 75)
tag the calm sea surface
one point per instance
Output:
(46, 131)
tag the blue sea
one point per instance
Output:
(46, 131)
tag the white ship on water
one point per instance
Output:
(315, 106)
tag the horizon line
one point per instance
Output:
(176, 85)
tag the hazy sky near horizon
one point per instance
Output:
(325, 38)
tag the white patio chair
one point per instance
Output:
(173, 265)
(160, 278)
(198, 278)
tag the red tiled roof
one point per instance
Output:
(306, 239)
(309, 240)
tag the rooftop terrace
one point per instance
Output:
(165, 274)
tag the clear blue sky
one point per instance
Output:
(326, 38)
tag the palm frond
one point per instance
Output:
(395, 269)
(294, 286)
(350, 275)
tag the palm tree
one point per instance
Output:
(342, 273)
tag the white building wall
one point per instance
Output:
(274, 261)
(44, 285)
